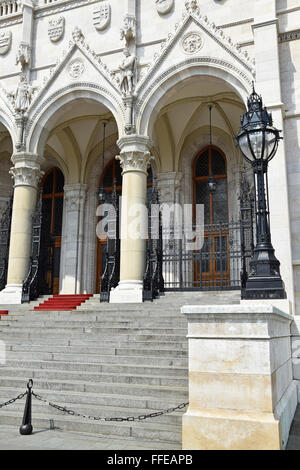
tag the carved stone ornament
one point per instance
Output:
(23, 55)
(164, 6)
(76, 68)
(191, 6)
(26, 176)
(56, 29)
(5, 42)
(135, 161)
(192, 42)
(101, 16)
(77, 34)
(128, 32)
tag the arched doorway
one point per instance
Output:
(211, 268)
(112, 174)
(52, 187)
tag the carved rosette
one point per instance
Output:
(26, 176)
(135, 161)
(192, 42)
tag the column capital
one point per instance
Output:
(27, 169)
(74, 195)
(135, 153)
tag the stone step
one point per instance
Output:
(162, 345)
(129, 368)
(101, 323)
(98, 377)
(111, 359)
(11, 333)
(102, 330)
(128, 351)
(101, 388)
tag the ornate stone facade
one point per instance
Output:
(58, 82)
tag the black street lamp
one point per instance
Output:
(258, 141)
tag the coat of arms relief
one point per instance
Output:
(101, 16)
(56, 29)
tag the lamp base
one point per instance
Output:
(264, 288)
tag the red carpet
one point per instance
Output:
(63, 302)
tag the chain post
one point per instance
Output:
(26, 427)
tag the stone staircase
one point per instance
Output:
(103, 360)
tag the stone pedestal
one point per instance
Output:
(26, 174)
(135, 159)
(241, 390)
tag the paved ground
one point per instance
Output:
(45, 439)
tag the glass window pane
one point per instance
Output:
(60, 181)
(48, 184)
(218, 163)
(108, 177)
(46, 214)
(202, 165)
(220, 209)
(58, 212)
(202, 197)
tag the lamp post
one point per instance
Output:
(258, 141)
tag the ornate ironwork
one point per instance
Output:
(224, 259)
(32, 284)
(246, 199)
(153, 283)
(5, 226)
(111, 275)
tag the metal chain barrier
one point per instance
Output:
(99, 418)
(9, 402)
(26, 427)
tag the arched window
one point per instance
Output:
(211, 161)
(52, 186)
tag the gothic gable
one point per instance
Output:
(195, 38)
(79, 64)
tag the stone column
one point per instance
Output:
(135, 159)
(26, 174)
(72, 238)
(242, 395)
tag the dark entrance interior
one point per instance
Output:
(52, 187)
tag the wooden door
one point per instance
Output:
(211, 265)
